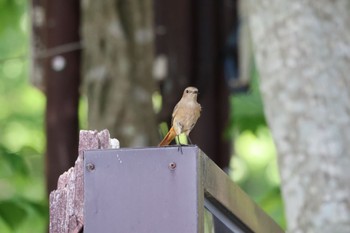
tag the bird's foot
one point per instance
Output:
(189, 140)
(179, 148)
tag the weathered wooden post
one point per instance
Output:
(67, 201)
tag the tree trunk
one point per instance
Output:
(117, 66)
(56, 70)
(302, 50)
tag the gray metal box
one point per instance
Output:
(161, 190)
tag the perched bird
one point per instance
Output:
(185, 116)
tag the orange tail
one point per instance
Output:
(168, 137)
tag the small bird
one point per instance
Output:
(184, 117)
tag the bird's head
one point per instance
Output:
(190, 92)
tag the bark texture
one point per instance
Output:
(302, 51)
(117, 68)
(67, 202)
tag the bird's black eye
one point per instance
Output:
(187, 91)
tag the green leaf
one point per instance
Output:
(247, 109)
(12, 213)
(272, 203)
(16, 162)
(40, 208)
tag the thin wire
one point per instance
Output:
(65, 48)
(45, 53)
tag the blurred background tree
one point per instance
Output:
(23, 200)
(132, 70)
(117, 69)
(55, 69)
(302, 53)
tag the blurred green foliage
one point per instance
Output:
(23, 202)
(254, 163)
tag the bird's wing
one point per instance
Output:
(174, 113)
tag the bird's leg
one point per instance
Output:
(189, 139)
(179, 148)
(178, 139)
